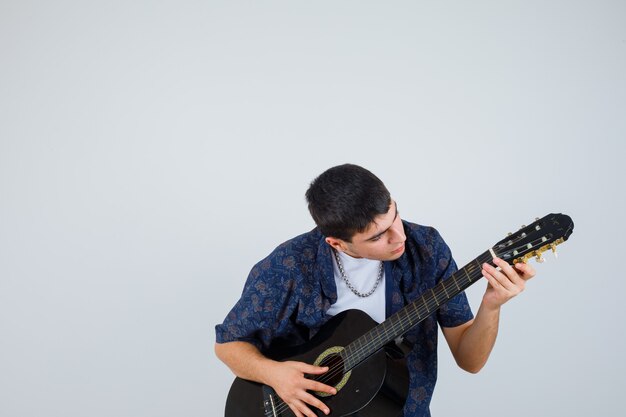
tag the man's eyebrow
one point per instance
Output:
(383, 232)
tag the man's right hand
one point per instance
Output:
(289, 382)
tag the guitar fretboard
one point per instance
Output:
(413, 313)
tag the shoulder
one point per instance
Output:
(296, 254)
(302, 248)
(426, 247)
(425, 237)
(426, 258)
(301, 243)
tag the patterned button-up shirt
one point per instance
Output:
(287, 294)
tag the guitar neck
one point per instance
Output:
(412, 314)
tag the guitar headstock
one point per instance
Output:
(532, 240)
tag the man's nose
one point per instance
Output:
(397, 233)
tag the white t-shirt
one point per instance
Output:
(362, 274)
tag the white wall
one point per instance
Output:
(151, 152)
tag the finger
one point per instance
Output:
(295, 410)
(499, 277)
(510, 272)
(316, 402)
(312, 369)
(527, 270)
(318, 386)
(301, 409)
(504, 266)
(492, 281)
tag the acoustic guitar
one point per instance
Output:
(370, 378)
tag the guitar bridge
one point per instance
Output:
(269, 404)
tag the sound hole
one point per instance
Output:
(335, 375)
(335, 370)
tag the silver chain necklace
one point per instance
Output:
(345, 278)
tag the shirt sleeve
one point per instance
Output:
(263, 304)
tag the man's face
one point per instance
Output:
(383, 240)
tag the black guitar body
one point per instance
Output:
(377, 387)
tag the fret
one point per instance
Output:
(368, 336)
(443, 285)
(468, 275)
(425, 305)
(395, 320)
(435, 297)
(360, 350)
(408, 316)
(456, 283)
(383, 333)
(358, 346)
(480, 267)
(346, 352)
(419, 316)
(372, 335)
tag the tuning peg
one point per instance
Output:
(522, 226)
(540, 258)
(556, 255)
(536, 218)
(509, 234)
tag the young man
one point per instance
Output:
(361, 256)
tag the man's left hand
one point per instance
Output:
(505, 282)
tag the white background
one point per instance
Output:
(152, 151)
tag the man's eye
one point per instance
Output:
(374, 239)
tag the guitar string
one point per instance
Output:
(336, 370)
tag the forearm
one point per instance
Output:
(244, 360)
(478, 340)
(472, 347)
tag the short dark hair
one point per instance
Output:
(345, 200)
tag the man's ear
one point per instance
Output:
(336, 244)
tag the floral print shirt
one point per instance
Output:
(287, 294)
